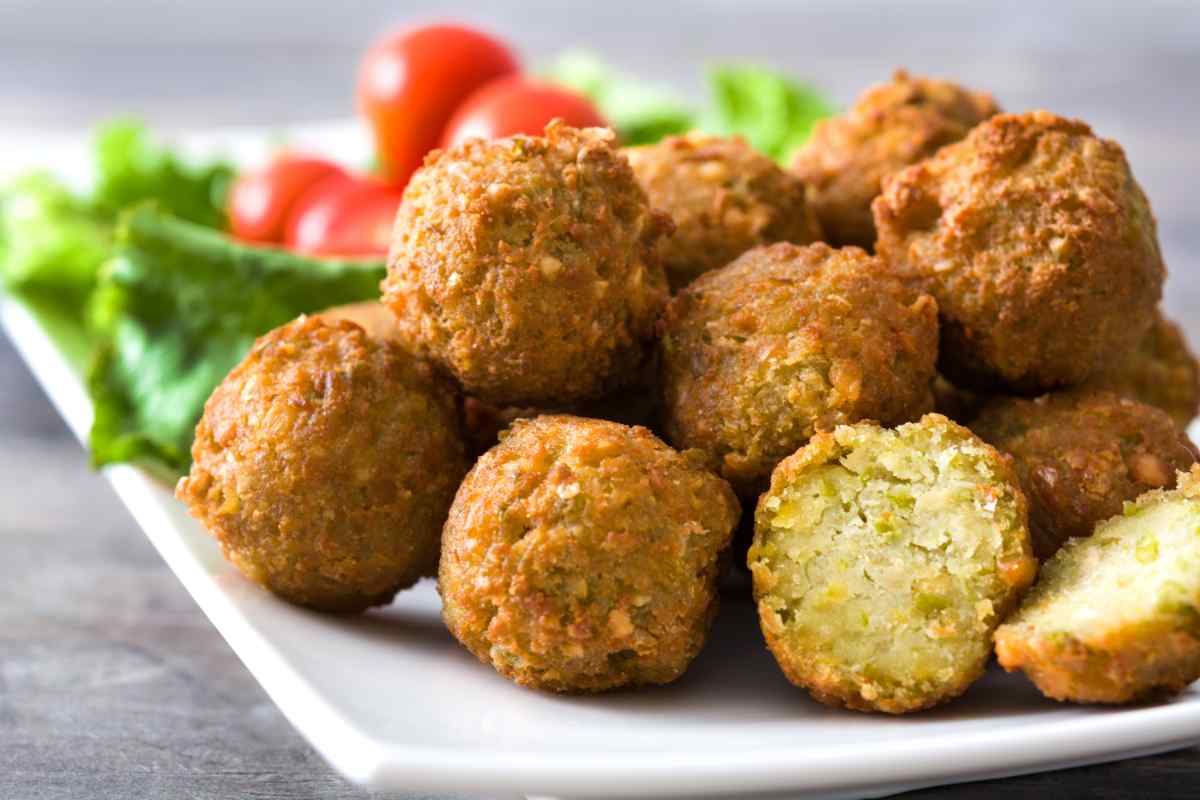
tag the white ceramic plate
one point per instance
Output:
(393, 703)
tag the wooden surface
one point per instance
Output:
(112, 683)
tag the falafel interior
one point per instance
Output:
(884, 559)
(1116, 616)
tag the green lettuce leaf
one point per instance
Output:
(775, 113)
(641, 113)
(50, 240)
(53, 241)
(178, 307)
(131, 168)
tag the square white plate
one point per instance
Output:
(393, 703)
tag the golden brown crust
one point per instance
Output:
(325, 464)
(582, 555)
(1161, 371)
(786, 341)
(724, 199)
(525, 266)
(1081, 455)
(891, 126)
(1038, 245)
(1126, 664)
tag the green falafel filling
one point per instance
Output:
(886, 562)
(1138, 570)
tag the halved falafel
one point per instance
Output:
(1115, 617)
(884, 559)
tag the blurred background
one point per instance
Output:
(111, 691)
(1130, 69)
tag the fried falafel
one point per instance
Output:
(1081, 455)
(884, 559)
(785, 341)
(890, 126)
(1161, 371)
(582, 555)
(526, 267)
(1115, 617)
(724, 199)
(1037, 243)
(325, 464)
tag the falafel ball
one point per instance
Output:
(724, 198)
(884, 559)
(786, 341)
(889, 127)
(325, 464)
(1080, 455)
(1161, 371)
(1038, 244)
(582, 555)
(1115, 617)
(526, 267)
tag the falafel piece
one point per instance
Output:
(785, 341)
(724, 198)
(526, 266)
(884, 559)
(1037, 243)
(1080, 455)
(1115, 617)
(325, 464)
(582, 555)
(1161, 371)
(889, 127)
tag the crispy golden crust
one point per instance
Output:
(582, 555)
(1161, 371)
(1123, 665)
(880, 590)
(724, 199)
(1081, 455)
(1115, 618)
(786, 341)
(525, 266)
(325, 464)
(1038, 244)
(891, 126)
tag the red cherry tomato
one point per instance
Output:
(518, 105)
(410, 83)
(344, 216)
(261, 201)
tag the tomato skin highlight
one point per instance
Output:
(411, 81)
(518, 105)
(261, 201)
(345, 216)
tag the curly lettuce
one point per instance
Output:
(179, 306)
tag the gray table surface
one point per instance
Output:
(112, 683)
